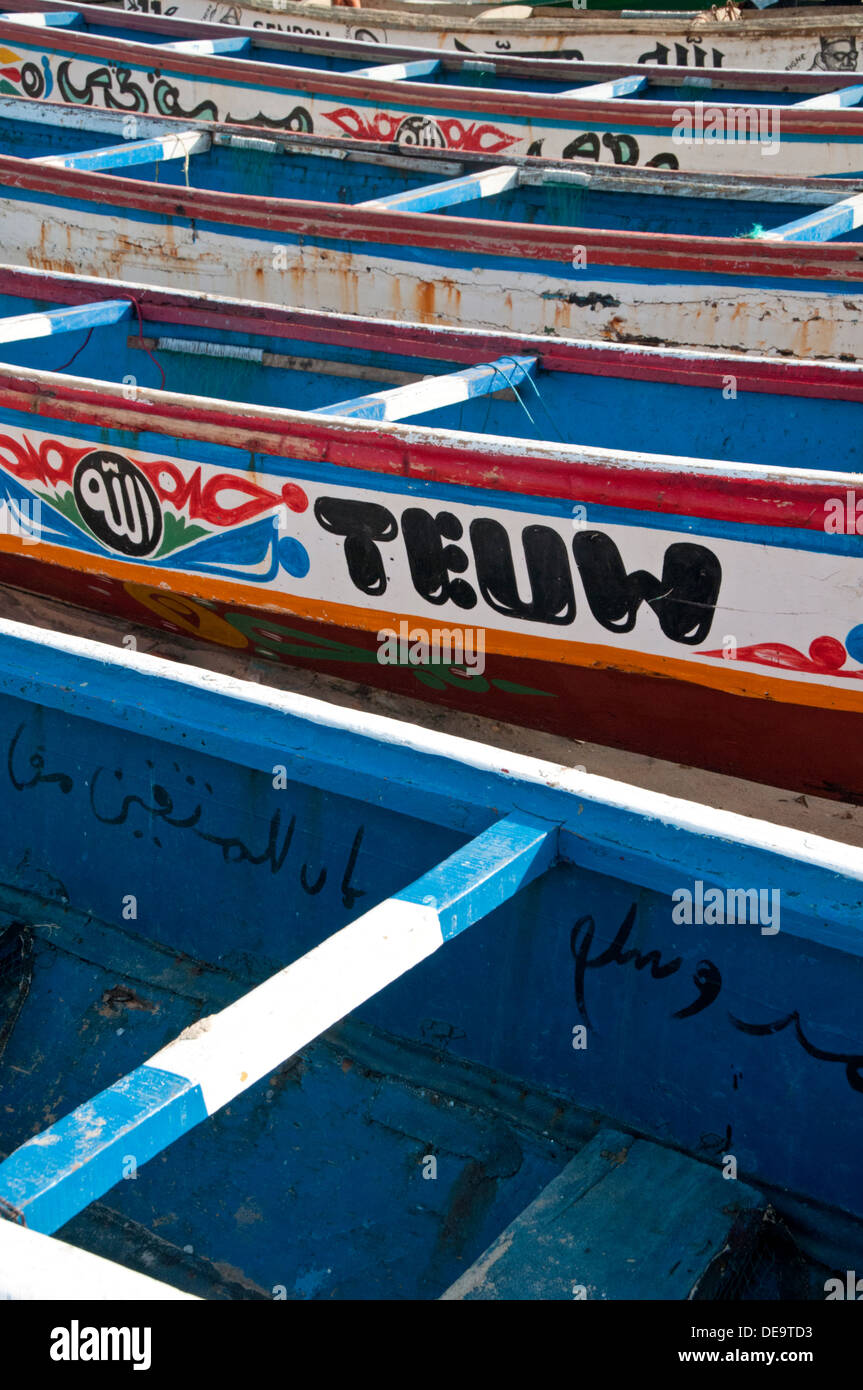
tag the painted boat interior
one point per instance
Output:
(283, 170)
(578, 406)
(229, 830)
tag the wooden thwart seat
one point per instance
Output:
(626, 1219)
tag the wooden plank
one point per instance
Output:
(64, 19)
(59, 1172)
(608, 91)
(321, 366)
(832, 101)
(178, 146)
(281, 361)
(821, 225)
(22, 327)
(545, 178)
(626, 1219)
(37, 1267)
(340, 150)
(208, 46)
(434, 392)
(434, 196)
(398, 72)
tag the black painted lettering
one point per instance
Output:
(552, 599)
(432, 562)
(683, 599)
(363, 525)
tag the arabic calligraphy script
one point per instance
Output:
(706, 978)
(111, 804)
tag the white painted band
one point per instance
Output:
(229, 1051)
(205, 46)
(40, 20)
(25, 326)
(36, 1267)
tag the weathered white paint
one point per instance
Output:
(605, 91)
(229, 1051)
(397, 72)
(38, 1268)
(636, 352)
(786, 40)
(25, 326)
(809, 323)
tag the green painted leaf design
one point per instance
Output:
(177, 532)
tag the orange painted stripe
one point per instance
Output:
(729, 677)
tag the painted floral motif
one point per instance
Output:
(100, 500)
(443, 133)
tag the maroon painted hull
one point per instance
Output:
(805, 749)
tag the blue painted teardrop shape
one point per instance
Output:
(294, 558)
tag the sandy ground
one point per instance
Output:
(834, 819)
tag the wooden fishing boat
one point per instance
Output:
(527, 245)
(628, 545)
(247, 1043)
(816, 39)
(721, 121)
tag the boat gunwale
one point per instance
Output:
(631, 114)
(602, 822)
(449, 343)
(569, 25)
(800, 188)
(305, 218)
(745, 493)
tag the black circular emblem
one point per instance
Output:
(420, 130)
(118, 503)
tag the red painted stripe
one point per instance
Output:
(789, 502)
(484, 102)
(644, 250)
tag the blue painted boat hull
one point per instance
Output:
(173, 840)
